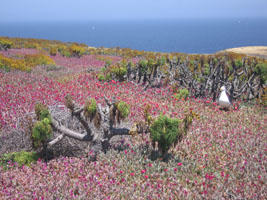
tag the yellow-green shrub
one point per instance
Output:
(53, 51)
(22, 158)
(27, 63)
(39, 59)
(90, 109)
(5, 44)
(13, 63)
(76, 51)
(124, 109)
(182, 94)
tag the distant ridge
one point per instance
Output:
(259, 51)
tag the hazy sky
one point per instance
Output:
(59, 10)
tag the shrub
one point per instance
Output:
(42, 112)
(22, 158)
(124, 109)
(5, 68)
(147, 115)
(5, 44)
(76, 51)
(39, 59)
(90, 109)
(64, 51)
(238, 63)
(103, 69)
(41, 132)
(263, 99)
(101, 77)
(25, 64)
(166, 132)
(53, 51)
(118, 70)
(9, 63)
(261, 71)
(108, 63)
(150, 62)
(143, 64)
(206, 69)
(182, 94)
(162, 61)
(32, 45)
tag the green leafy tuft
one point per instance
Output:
(22, 158)
(124, 109)
(166, 132)
(182, 94)
(42, 112)
(41, 132)
(90, 109)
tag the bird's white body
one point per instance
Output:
(223, 99)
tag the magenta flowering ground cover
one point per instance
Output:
(222, 157)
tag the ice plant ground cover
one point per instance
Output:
(222, 157)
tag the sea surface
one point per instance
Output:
(187, 36)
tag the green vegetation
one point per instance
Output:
(90, 109)
(63, 50)
(5, 68)
(101, 77)
(263, 99)
(124, 109)
(5, 44)
(41, 131)
(40, 59)
(166, 132)
(53, 51)
(26, 63)
(147, 115)
(21, 158)
(238, 63)
(206, 69)
(42, 112)
(182, 94)
(261, 70)
(162, 61)
(76, 51)
(110, 71)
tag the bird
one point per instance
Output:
(224, 102)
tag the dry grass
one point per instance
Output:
(259, 51)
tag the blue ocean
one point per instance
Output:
(187, 35)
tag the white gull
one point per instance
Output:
(223, 99)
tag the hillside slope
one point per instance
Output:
(259, 51)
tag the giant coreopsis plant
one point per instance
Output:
(167, 132)
(91, 114)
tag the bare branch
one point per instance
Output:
(107, 101)
(70, 133)
(77, 109)
(119, 131)
(56, 140)
(79, 115)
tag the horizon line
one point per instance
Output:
(137, 19)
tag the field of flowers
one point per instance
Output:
(223, 155)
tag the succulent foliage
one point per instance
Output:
(41, 131)
(166, 132)
(90, 109)
(124, 109)
(21, 158)
(182, 94)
